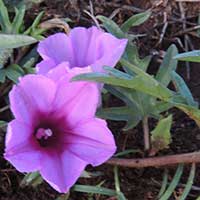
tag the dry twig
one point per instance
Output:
(188, 30)
(165, 22)
(156, 161)
(186, 37)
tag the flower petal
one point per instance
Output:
(44, 66)
(58, 72)
(92, 141)
(34, 93)
(57, 47)
(76, 100)
(93, 53)
(84, 46)
(83, 104)
(21, 150)
(111, 49)
(61, 169)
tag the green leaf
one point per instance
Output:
(192, 56)
(8, 41)
(111, 26)
(150, 86)
(33, 28)
(143, 82)
(132, 56)
(125, 94)
(2, 75)
(4, 18)
(135, 20)
(145, 103)
(191, 111)
(141, 103)
(86, 174)
(94, 190)
(33, 179)
(139, 83)
(63, 196)
(28, 67)
(18, 20)
(116, 73)
(147, 81)
(123, 113)
(120, 195)
(13, 72)
(30, 63)
(168, 65)
(29, 57)
(173, 183)
(164, 184)
(134, 114)
(146, 84)
(189, 183)
(37, 20)
(160, 106)
(5, 54)
(3, 123)
(161, 136)
(183, 89)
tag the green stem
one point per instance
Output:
(146, 133)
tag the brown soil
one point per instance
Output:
(136, 184)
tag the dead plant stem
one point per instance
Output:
(193, 157)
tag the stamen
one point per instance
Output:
(48, 132)
(43, 133)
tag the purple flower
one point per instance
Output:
(55, 130)
(83, 47)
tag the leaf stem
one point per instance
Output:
(146, 133)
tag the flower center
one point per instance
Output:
(43, 136)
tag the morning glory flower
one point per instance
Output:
(55, 130)
(81, 48)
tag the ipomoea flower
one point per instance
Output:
(81, 48)
(55, 130)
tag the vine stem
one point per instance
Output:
(193, 157)
(146, 133)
